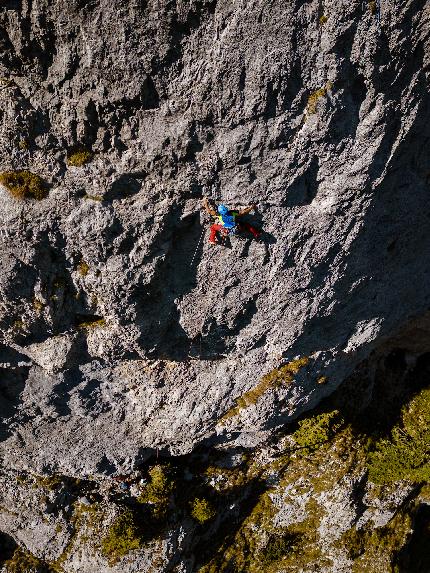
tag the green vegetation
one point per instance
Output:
(315, 97)
(275, 378)
(83, 268)
(322, 20)
(79, 157)
(159, 490)
(242, 553)
(37, 305)
(202, 510)
(122, 537)
(23, 561)
(317, 430)
(23, 144)
(24, 185)
(277, 547)
(373, 550)
(372, 7)
(93, 323)
(93, 197)
(407, 454)
(48, 482)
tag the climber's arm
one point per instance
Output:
(247, 210)
(208, 208)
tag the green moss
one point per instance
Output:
(242, 553)
(372, 7)
(48, 482)
(37, 305)
(122, 537)
(202, 511)
(277, 548)
(277, 377)
(94, 197)
(374, 549)
(96, 323)
(23, 561)
(80, 157)
(315, 97)
(83, 268)
(23, 144)
(406, 455)
(317, 430)
(24, 185)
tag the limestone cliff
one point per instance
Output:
(130, 345)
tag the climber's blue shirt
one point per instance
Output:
(228, 220)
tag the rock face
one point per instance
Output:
(125, 335)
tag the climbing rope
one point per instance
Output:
(378, 11)
(198, 245)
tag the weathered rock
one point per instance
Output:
(124, 333)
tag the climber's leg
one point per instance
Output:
(214, 229)
(244, 226)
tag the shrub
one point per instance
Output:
(24, 185)
(122, 537)
(202, 510)
(158, 490)
(323, 19)
(79, 157)
(372, 7)
(406, 455)
(317, 430)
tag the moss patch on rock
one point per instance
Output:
(315, 97)
(122, 537)
(79, 157)
(24, 185)
(275, 378)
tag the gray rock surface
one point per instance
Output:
(123, 332)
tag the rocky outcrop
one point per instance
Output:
(125, 335)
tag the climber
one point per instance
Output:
(228, 221)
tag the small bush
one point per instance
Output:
(24, 185)
(323, 19)
(372, 7)
(79, 157)
(122, 537)
(407, 454)
(158, 490)
(202, 510)
(317, 430)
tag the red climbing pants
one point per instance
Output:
(242, 226)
